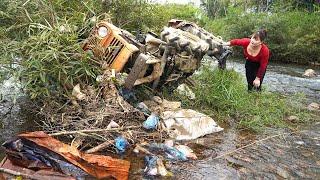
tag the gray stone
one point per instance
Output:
(310, 73)
(313, 106)
(282, 173)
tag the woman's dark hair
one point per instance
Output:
(262, 34)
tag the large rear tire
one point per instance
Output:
(138, 66)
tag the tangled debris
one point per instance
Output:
(95, 117)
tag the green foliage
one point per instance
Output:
(292, 36)
(41, 45)
(54, 62)
(216, 8)
(41, 39)
(134, 15)
(224, 93)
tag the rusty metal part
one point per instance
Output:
(113, 50)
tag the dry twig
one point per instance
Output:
(93, 131)
(100, 147)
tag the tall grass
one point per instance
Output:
(223, 94)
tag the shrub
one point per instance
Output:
(44, 37)
(292, 36)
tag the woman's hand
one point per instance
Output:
(256, 82)
(225, 43)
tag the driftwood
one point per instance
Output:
(100, 147)
(144, 150)
(16, 173)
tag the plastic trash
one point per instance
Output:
(76, 92)
(151, 165)
(121, 144)
(143, 108)
(161, 168)
(171, 153)
(112, 124)
(151, 122)
(169, 142)
(37, 153)
(309, 73)
(188, 152)
(127, 95)
(185, 90)
(174, 154)
(155, 166)
(187, 124)
(170, 105)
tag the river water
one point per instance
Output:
(288, 155)
(286, 79)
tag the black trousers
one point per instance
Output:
(251, 74)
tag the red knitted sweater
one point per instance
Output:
(262, 57)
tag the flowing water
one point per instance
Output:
(287, 79)
(280, 154)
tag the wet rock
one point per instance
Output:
(310, 73)
(282, 173)
(313, 106)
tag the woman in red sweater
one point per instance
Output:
(256, 54)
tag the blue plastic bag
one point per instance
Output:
(171, 153)
(121, 144)
(151, 122)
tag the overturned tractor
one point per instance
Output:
(167, 59)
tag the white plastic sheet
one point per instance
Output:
(186, 124)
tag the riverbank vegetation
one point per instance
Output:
(223, 94)
(41, 45)
(293, 33)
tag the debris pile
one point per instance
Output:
(94, 118)
(101, 120)
(157, 154)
